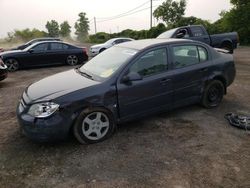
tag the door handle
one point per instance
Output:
(204, 70)
(164, 81)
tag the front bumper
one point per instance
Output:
(94, 52)
(53, 128)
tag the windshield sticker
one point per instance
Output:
(107, 73)
(129, 52)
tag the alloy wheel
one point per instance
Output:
(72, 60)
(12, 65)
(95, 125)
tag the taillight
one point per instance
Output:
(84, 50)
(1, 62)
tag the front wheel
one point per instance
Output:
(101, 50)
(213, 94)
(72, 60)
(12, 65)
(94, 126)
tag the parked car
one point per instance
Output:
(23, 46)
(3, 70)
(226, 41)
(43, 54)
(125, 82)
(98, 48)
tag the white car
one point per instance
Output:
(96, 49)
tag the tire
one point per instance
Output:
(94, 125)
(213, 94)
(101, 50)
(228, 47)
(12, 64)
(72, 60)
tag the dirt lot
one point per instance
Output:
(189, 147)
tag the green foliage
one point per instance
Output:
(170, 11)
(236, 19)
(99, 37)
(65, 29)
(142, 34)
(53, 28)
(82, 27)
(25, 35)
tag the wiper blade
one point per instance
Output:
(84, 73)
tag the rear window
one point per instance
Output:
(187, 55)
(197, 31)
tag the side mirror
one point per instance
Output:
(132, 76)
(30, 50)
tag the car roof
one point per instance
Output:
(46, 38)
(141, 44)
(50, 41)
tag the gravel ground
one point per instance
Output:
(188, 147)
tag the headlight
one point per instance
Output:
(42, 110)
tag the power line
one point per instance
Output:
(111, 17)
(125, 15)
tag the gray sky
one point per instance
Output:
(21, 14)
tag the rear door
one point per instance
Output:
(190, 66)
(153, 92)
(57, 53)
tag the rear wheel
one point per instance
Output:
(213, 94)
(12, 64)
(72, 60)
(228, 47)
(94, 126)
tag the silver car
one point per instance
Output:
(96, 49)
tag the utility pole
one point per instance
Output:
(95, 24)
(151, 13)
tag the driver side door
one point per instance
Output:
(37, 55)
(150, 94)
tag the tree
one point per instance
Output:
(65, 29)
(82, 27)
(236, 19)
(53, 28)
(170, 11)
(156, 31)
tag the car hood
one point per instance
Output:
(57, 85)
(97, 46)
(11, 52)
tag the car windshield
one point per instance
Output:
(29, 47)
(109, 41)
(167, 34)
(106, 63)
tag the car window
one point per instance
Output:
(118, 41)
(185, 55)
(183, 33)
(56, 46)
(65, 46)
(197, 31)
(126, 40)
(203, 54)
(40, 47)
(151, 63)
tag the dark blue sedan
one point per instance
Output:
(43, 54)
(125, 82)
